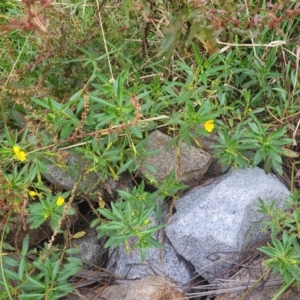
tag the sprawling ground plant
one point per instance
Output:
(97, 77)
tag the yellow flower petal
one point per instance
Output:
(60, 201)
(209, 125)
(21, 156)
(16, 149)
(32, 193)
(46, 216)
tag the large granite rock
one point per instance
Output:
(190, 165)
(214, 221)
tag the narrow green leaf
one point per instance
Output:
(136, 130)
(116, 210)
(35, 282)
(125, 166)
(105, 103)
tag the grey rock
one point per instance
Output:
(206, 144)
(91, 250)
(75, 167)
(218, 219)
(190, 166)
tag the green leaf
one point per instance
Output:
(10, 261)
(271, 252)
(119, 88)
(143, 252)
(55, 268)
(66, 131)
(153, 229)
(95, 222)
(67, 288)
(116, 240)
(76, 95)
(154, 242)
(125, 166)
(136, 130)
(36, 221)
(72, 251)
(35, 282)
(257, 158)
(128, 196)
(74, 260)
(41, 166)
(116, 210)
(31, 296)
(105, 103)
(106, 213)
(23, 268)
(11, 275)
(112, 226)
(197, 54)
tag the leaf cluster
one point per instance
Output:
(39, 276)
(131, 220)
(284, 250)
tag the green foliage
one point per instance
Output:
(98, 79)
(129, 220)
(251, 141)
(49, 209)
(43, 276)
(284, 251)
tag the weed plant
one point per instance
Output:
(97, 78)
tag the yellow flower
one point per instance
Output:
(209, 125)
(32, 193)
(21, 156)
(46, 216)
(249, 109)
(16, 149)
(60, 201)
(146, 222)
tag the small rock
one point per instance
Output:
(91, 249)
(149, 288)
(190, 166)
(214, 221)
(215, 169)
